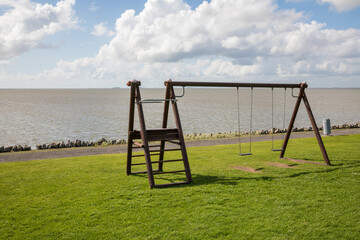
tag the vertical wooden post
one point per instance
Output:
(292, 120)
(316, 130)
(164, 124)
(144, 138)
(131, 124)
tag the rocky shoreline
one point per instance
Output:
(195, 136)
(68, 144)
(205, 136)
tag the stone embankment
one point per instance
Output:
(16, 148)
(200, 136)
(68, 144)
(79, 143)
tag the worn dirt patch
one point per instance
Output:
(247, 169)
(276, 164)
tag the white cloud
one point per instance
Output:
(93, 7)
(342, 5)
(4, 63)
(102, 30)
(225, 40)
(240, 31)
(26, 23)
(168, 30)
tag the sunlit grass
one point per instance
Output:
(92, 198)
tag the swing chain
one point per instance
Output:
(251, 109)
(251, 116)
(272, 119)
(238, 105)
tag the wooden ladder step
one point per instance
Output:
(174, 160)
(161, 137)
(143, 172)
(140, 145)
(143, 155)
(157, 152)
(171, 184)
(158, 172)
(179, 171)
(166, 150)
(162, 130)
(173, 142)
(157, 134)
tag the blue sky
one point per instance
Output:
(95, 44)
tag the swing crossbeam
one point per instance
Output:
(231, 84)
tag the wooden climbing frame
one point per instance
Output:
(162, 135)
(175, 135)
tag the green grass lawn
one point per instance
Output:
(92, 198)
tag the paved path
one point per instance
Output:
(87, 151)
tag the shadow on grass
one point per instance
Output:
(200, 179)
(349, 163)
(175, 177)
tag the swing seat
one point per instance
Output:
(244, 154)
(276, 150)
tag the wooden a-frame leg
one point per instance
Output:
(144, 139)
(129, 155)
(302, 96)
(131, 128)
(316, 130)
(181, 137)
(292, 120)
(164, 125)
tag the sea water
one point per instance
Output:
(37, 116)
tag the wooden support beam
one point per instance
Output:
(230, 84)
(181, 136)
(316, 130)
(144, 138)
(131, 127)
(292, 120)
(164, 125)
(302, 96)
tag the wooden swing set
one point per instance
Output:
(175, 135)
